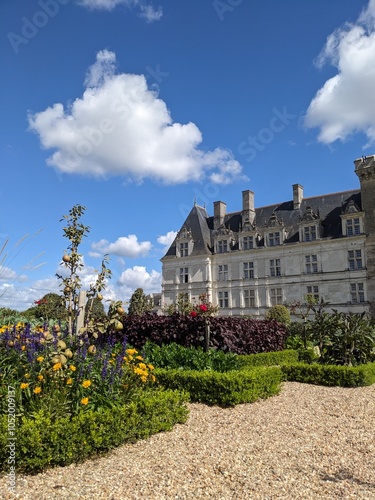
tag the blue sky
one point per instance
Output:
(134, 109)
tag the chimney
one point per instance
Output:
(248, 211)
(297, 196)
(219, 213)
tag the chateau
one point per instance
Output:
(249, 260)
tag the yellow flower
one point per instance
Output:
(24, 385)
(144, 378)
(142, 366)
(37, 390)
(69, 381)
(40, 377)
(151, 367)
(57, 366)
(84, 401)
(72, 368)
(27, 375)
(131, 351)
(40, 359)
(23, 348)
(139, 358)
(153, 378)
(86, 383)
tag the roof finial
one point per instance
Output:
(195, 201)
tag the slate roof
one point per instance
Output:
(329, 207)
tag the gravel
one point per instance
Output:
(309, 442)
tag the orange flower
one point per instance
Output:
(37, 390)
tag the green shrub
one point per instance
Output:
(330, 375)
(173, 356)
(280, 313)
(225, 389)
(268, 358)
(42, 442)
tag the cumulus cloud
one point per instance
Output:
(139, 277)
(167, 239)
(125, 246)
(121, 127)
(345, 104)
(146, 10)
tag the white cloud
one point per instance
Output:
(345, 104)
(125, 246)
(120, 127)
(167, 239)
(139, 277)
(147, 11)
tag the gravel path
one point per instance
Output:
(309, 442)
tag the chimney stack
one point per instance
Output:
(248, 210)
(219, 213)
(297, 196)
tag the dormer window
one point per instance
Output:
(353, 226)
(247, 242)
(274, 239)
(351, 220)
(274, 234)
(222, 246)
(309, 226)
(184, 243)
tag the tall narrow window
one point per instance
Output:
(276, 296)
(357, 293)
(249, 298)
(223, 272)
(184, 275)
(224, 299)
(311, 262)
(275, 269)
(355, 259)
(184, 249)
(248, 270)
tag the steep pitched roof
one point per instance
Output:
(329, 207)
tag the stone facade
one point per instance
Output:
(249, 260)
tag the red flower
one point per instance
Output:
(203, 308)
(193, 314)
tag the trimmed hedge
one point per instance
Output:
(42, 442)
(224, 389)
(330, 375)
(269, 358)
(229, 334)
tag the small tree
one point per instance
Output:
(139, 303)
(51, 306)
(280, 313)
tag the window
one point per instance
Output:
(313, 291)
(223, 299)
(276, 296)
(355, 259)
(223, 272)
(353, 226)
(222, 246)
(249, 298)
(247, 242)
(309, 233)
(248, 270)
(275, 269)
(357, 293)
(184, 275)
(274, 239)
(184, 249)
(311, 262)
